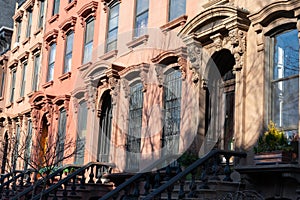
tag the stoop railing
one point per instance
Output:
(95, 171)
(210, 169)
(151, 175)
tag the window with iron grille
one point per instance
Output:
(133, 142)
(68, 51)
(141, 17)
(88, 40)
(81, 133)
(112, 33)
(285, 81)
(172, 106)
(62, 125)
(28, 144)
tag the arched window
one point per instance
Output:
(172, 106)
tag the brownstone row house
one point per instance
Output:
(136, 81)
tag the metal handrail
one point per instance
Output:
(41, 181)
(137, 176)
(191, 168)
(71, 176)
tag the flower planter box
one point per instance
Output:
(273, 157)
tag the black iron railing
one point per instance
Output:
(95, 171)
(150, 176)
(210, 169)
(33, 186)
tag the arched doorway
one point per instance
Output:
(42, 141)
(5, 149)
(219, 110)
(105, 125)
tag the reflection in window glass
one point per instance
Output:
(55, 7)
(88, 40)
(176, 8)
(141, 20)
(23, 82)
(112, 34)
(51, 62)
(35, 80)
(285, 83)
(68, 52)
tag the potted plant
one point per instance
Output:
(272, 147)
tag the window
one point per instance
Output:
(88, 40)
(141, 19)
(70, 1)
(36, 70)
(2, 83)
(81, 127)
(55, 7)
(29, 23)
(172, 105)
(133, 142)
(23, 81)
(13, 86)
(62, 125)
(18, 33)
(285, 81)
(16, 147)
(28, 144)
(68, 51)
(41, 14)
(51, 62)
(112, 33)
(176, 8)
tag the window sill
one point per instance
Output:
(53, 18)
(30, 94)
(138, 41)
(10, 104)
(65, 76)
(214, 2)
(84, 66)
(1, 98)
(180, 21)
(26, 41)
(70, 5)
(19, 100)
(38, 31)
(109, 55)
(48, 84)
(15, 49)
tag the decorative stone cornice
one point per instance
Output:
(18, 15)
(67, 25)
(51, 37)
(23, 56)
(109, 3)
(88, 10)
(13, 64)
(36, 48)
(29, 5)
(180, 21)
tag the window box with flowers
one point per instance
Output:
(273, 147)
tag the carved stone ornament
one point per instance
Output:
(194, 51)
(144, 79)
(182, 62)
(238, 42)
(114, 94)
(35, 115)
(126, 88)
(159, 75)
(90, 96)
